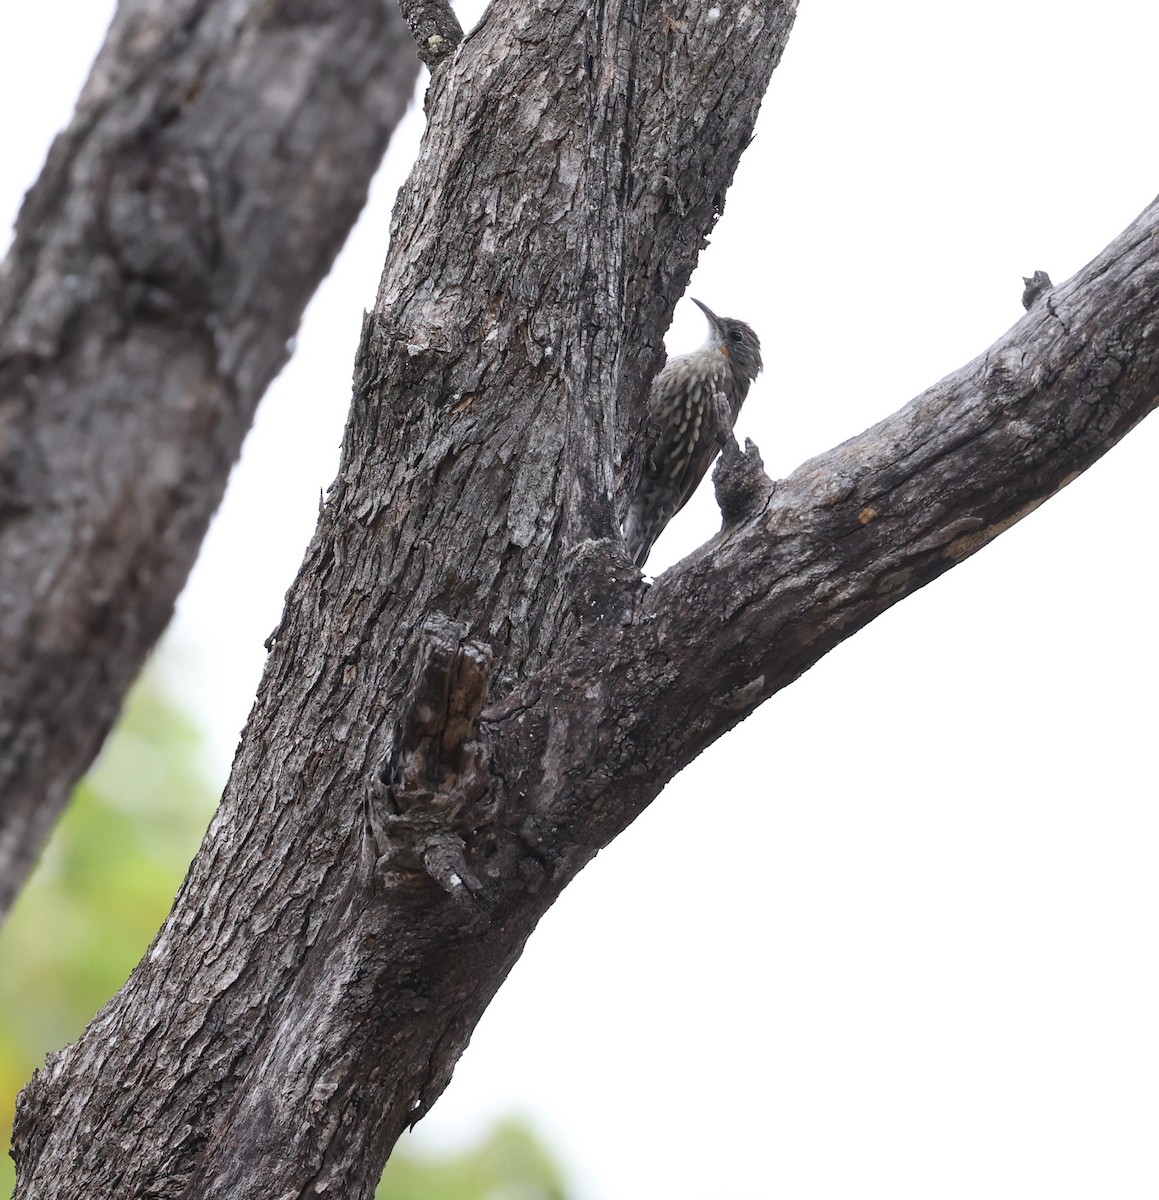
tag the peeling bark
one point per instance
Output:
(387, 843)
(219, 154)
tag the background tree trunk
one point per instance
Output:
(389, 837)
(219, 155)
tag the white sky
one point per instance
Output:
(895, 935)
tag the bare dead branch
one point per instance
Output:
(435, 28)
(845, 537)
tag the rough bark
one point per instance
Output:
(389, 837)
(574, 161)
(220, 152)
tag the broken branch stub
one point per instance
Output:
(741, 484)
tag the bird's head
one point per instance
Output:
(736, 341)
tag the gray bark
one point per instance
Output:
(472, 690)
(220, 152)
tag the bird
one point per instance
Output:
(691, 399)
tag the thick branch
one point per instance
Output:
(218, 157)
(420, 810)
(845, 537)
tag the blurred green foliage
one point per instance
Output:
(105, 883)
(508, 1164)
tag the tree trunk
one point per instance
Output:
(219, 155)
(472, 690)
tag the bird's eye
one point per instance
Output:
(735, 336)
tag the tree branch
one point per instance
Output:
(845, 537)
(218, 156)
(435, 28)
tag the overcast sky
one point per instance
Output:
(896, 934)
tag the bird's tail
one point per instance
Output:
(639, 533)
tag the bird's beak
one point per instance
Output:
(713, 319)
(716, 333)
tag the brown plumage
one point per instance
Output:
(684, 424)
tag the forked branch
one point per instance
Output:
(843, 538)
